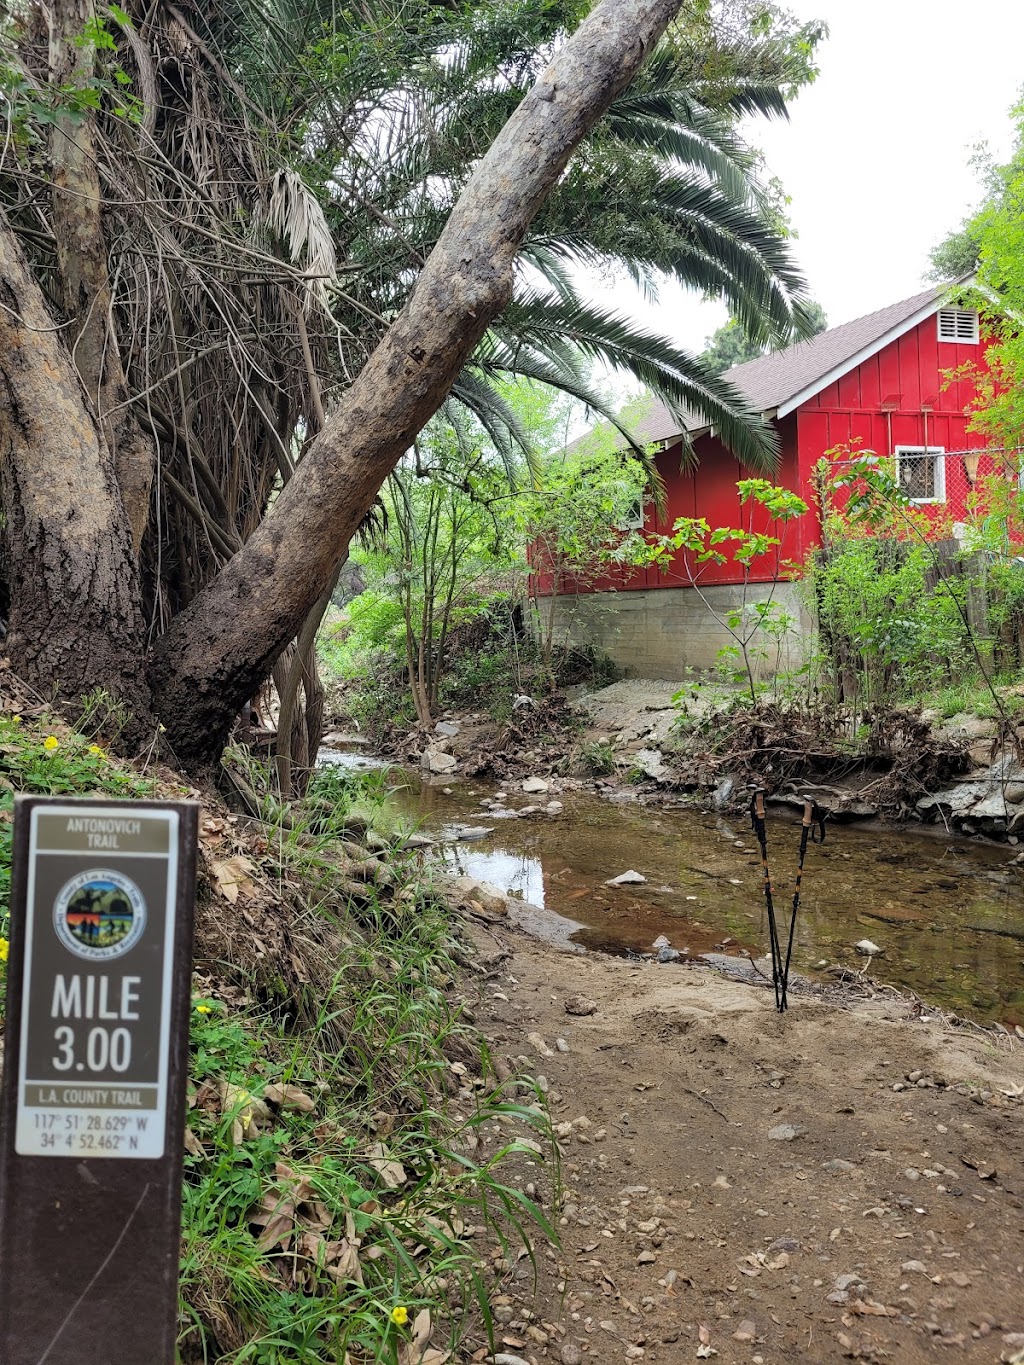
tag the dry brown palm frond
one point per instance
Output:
(290, 211)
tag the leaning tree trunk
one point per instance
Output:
(220, 648)
(65, 542)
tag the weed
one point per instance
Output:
(304, 1239)
(99, 714)
(594, 758)
(40, 756)
(339, 1154)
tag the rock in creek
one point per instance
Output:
(868, 949)
(437, 761)
(651, 763)
(468, 833)
(630, 878)
(534, 785)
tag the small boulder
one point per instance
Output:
(468, 833)
(651, 764)
(580, 1005)
(418, 841)
(630, 878)
(868, 949)
(437, 761)
(534, 785)
(786, 1132)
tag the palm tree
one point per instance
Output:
(272, 175)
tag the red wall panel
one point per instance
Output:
(876, 406)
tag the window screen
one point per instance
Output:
(921, 473)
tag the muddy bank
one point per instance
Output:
(660, 741)
(833, 1184)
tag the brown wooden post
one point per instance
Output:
(93, 1105)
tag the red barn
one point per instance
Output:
(879, 381)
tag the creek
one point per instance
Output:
(948, 912)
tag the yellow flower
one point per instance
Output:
(400, 1315)
(5, 948)
(95, 749)
(15, 720)
(204, 1009)
(51, 742)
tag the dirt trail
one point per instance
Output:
(696, 1225)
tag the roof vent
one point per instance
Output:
(958, 324)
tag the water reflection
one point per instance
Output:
(517, 874)
(947, 912)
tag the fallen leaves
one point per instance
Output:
(290, 1097)
(757, 1261)
(870, 1309)
(248, 1114)
(417, 1350)
(233, 877)
(705, 1350)
(289, 1207)
(391, 1172)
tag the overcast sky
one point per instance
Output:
(875, 154)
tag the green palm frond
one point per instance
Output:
(698, 397)
(500, 421)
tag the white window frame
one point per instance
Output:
(634, 519)
(973, 340)
(940, 471)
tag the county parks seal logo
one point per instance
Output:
(99, 914)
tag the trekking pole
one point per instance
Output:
(812, 816)
(761, 834)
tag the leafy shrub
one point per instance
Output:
(594, 758)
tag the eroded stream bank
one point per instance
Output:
(947, 912)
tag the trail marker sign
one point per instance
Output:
(93, 1105)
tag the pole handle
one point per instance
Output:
(758, 805)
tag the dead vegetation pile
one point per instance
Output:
(881, 766)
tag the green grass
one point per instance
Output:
(975, 697)
(386, 1140)
(40, 756)
(356, 1242)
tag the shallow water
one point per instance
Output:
(949, 913)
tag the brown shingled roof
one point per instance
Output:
(772, 380)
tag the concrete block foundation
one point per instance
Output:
(660, 632)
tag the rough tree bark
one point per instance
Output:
(218, 651)
(82, 266)
(66, 558)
